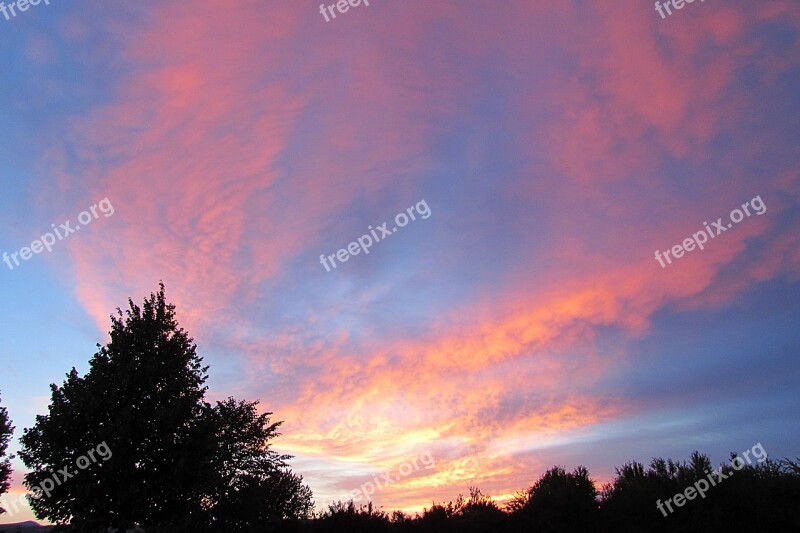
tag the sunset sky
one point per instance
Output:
(524, 323)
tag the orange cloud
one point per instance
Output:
(233, 147)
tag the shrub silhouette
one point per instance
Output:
(758, 498)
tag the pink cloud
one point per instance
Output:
(232, 143)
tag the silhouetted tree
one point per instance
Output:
(176, 460)
(345, 517)
(142, 396)
(401, 521)
(480, 514)
(559, 501)
(759, 497)
(252, 484)
(629, 501)
(6, 430)
(440, 516)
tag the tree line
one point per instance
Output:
(134, 444)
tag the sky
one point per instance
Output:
(548, 303)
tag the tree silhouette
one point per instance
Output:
(177, 462)
(479, 514)
(559, 501)
(143, 396)
(6, 430)
(252, 484)
(345, 517)
(759, 497)
(629, 500)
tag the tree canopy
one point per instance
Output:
(176, 463)
(6, 430)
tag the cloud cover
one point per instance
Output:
(558, 145)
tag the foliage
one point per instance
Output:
(178, 464)
(759, 497)
(345, 517)
(252, 483)
(558, 501)
(6, 430)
